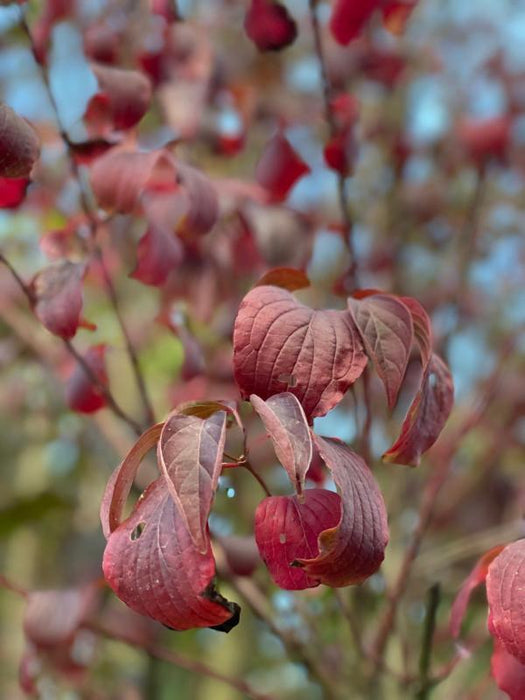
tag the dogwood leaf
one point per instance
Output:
(57, 291)
(19, 144)
(269, 25)
(279, 167)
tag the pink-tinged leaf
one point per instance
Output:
(422, 329)
(287, 529)
(269, 25)
(426, 416)
(12, 191)
(508, 672)
(19, 145)
(152, 565)
(119, 178)
(279, 167)
(57, 291)
(120, 482)
(286, 424)
(190, 459)
(81, 394)
(505, 595)
(123, 99)
(202, 201)
(386, 328)
(476, 576)
(285, 277)
(349, 17)
(159, 253)
(352, 550)
(53, 617)
(282, 345)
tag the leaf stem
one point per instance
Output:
(434, 595)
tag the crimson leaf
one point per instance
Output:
(349, 17)
(385, 325)
(12, 191)
(426, 417)
(508, 672)
(279, 167)
(159, 252)
(269, 25)
(284, 419)
(81, 394)
(280, 344)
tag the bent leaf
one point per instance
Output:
(422, 329)
(57, 291)
(123, 98)
(190, 459)
(287, 529)
(152, 565)
(279, 167)
(426, 417)
(282, 345)
(385, 325)
(19, 145)
(505, 587)
(352, 550)
(286, 424)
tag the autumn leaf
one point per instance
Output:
(57, 291)
(159, 253)
(81, 394)
(279, 167)
(19, 145)
(269, 25)
(349, 17)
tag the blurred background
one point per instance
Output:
(436, 193)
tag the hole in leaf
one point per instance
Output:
(137, 531)
(289, 379)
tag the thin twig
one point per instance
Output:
(344, 204)
(257, 477)
(13, 587)
(425, 682)
(93, 226)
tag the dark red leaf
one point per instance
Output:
(505, 587)
(386, 328)
(12, 191)
(286, 424)
(426, 417)
(352, 550)
(508, 672)
(349, 17)
(476, 576)
(422, 329)
(19, 144)
(486, 138)
(279, 167)
(85, 152)
(190, 458)
(81, 394)
(269, 25)
(152, 565)
(57, 291)
(285, 277)
(287, 529)
(339, 153)
(122, 101)
(282, 345)
(159, 253)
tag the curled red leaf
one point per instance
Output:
(426, 416)
(352, 550)
(282, 345)
(386, 328)
(284, 419)
(279, 167)
(505, 586)
(269, 25)
(422, 329)
(57, 291)
(190, 458)
(81, 394)
(287, 529)
(19, 144)
(508, 672)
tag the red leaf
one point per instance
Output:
(81, 394)
(505, 586)
(422, 328)
(269, 25)
(19, 144)
(202, 202)
(339, 153)
(352, 550)
(349, 17)
(508, 672)
(282, 345)
(285, 422)
(57, 292)
(385, 325)
(159, 253)
(426, 417)
(12, 191)
(476, 576)
(152, 565)
(122, 101)
(285, 277)
(190, 458)
(279, 167)
(486, 138)
(287, 528)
